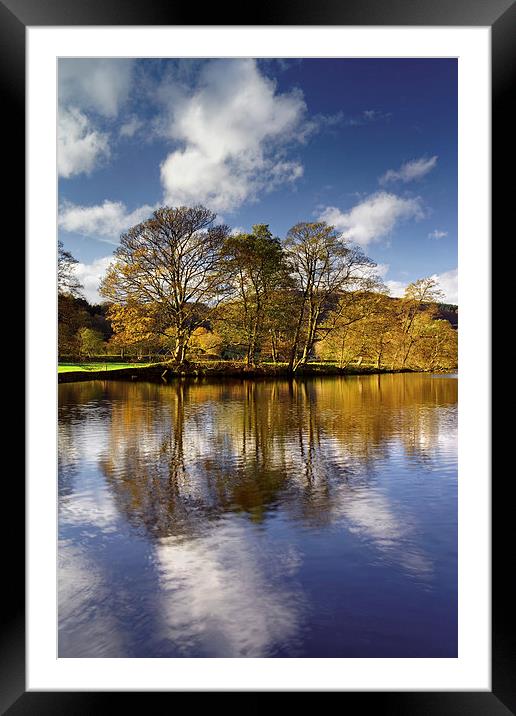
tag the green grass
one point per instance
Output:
(83, 367)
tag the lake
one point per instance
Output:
(305, 518)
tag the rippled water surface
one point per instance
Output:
(259, 519)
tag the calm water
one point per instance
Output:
(269, 519)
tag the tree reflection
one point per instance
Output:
(183, 454)
(214, 475)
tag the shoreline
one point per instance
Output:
(163, 373)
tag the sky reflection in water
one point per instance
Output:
(267, 519)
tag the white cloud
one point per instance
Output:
(448, 283)
(373, 273)
(107, 220)
(79, 146)
(129, 128)
(367, 116)
(374, 115)
(233, 130)
(101, 85)
(436, 234)
(88, 86)
(410, 171)
(396, 288)
(381, 270)
(90, 276)
(374, 217)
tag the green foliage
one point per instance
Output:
(258, 269)
(90, 342)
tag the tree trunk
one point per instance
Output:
(295, 344)
(407, 353)
(379, 357)
(310, 339)
(341, 357)
(180, 349)
(251, 349)
(274, 352)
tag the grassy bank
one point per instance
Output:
(163, 372)
(96, 367)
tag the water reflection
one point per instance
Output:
(225, 519)
(222, 598)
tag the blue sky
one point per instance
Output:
(369, 145)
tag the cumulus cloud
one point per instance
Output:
(107, 220)
(448, 283)
(88, 87)
(381, 270)
(436, 234)
(410, 171)
(90, 276)
(373, 218)
(396, 288)
(100, 85)
(232, 129)
(79, 146)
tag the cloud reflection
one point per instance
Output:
(201, 518)
(227, 597)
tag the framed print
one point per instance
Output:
(266, 406)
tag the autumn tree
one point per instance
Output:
(420, 293)
(444, 347)
(281, 313)
(323, 264)
(257, 266)
(380, 333)
(173, 262)
(434, 345)
(206, 343)
(361, 329)
(135, 326)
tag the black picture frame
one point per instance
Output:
(500, 15)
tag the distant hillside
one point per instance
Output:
(445, 311)
(449, 312)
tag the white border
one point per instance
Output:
(471, 671)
